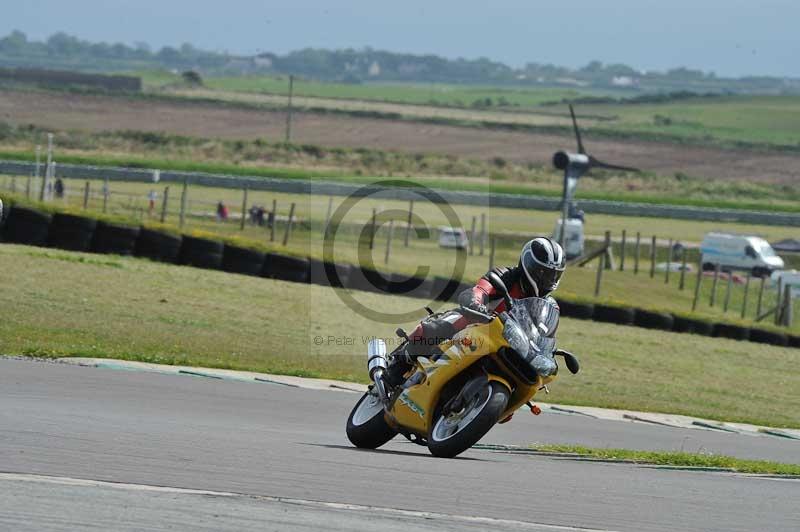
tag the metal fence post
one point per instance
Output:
(653, 257)
(86, 190)
(778, 301)
(637, 250)
(728, 292)
(669, 262)
(697, 285)
(372, 229)
(244, 209)
(289, 225)
(622, 252)
(472, 237)
(184, 194)
(164, 203)
(714, 286)
(274, 220)
(389, 242)
(601, 264)
(408, 225)
(746, 293)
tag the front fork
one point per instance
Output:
(377, 365)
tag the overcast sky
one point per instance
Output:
(729, 37)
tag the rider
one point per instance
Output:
(541, 264)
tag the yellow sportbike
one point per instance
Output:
(484, 374)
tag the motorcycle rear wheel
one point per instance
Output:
(366, 426)
(453, 433)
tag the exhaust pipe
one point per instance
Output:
(377, 364)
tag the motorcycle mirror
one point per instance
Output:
(571, 360)
(500, 286)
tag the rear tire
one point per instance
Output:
(366, 426)
(490, 404)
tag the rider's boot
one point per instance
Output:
(401, 362)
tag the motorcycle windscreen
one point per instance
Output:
(537, 317)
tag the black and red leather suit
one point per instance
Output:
(483, 297)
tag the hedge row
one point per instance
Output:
(78, 233)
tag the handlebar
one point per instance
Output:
(475, 314)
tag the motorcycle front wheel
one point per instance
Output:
(366, 426)
(453, 433)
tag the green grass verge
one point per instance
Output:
(619, 288)
(675, 459)
(57, 303)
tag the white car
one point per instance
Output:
(453, 237)
(739, 252)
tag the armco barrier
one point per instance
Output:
(242, 260)
(201, 253)
(71, 232)
(77, 231)
(154, 245)
(26, 226)
(115, 239)
(325, 188)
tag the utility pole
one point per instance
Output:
(289, 111)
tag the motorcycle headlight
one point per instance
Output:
(544, 365)
(517, 339)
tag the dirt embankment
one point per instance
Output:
(103, 113)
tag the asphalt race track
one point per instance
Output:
(96, 449)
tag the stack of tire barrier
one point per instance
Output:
(78, 233)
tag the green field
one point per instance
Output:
(411, 93)
(59, 303)
(772, 121)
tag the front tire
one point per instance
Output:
(366, 426)
(453, 433)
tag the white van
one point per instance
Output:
(574, 241)
(739, 252)
(453, 237)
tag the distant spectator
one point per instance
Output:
(222, 211)
(59, 188)
(677, 251)
(152, 196)
(260, 216)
